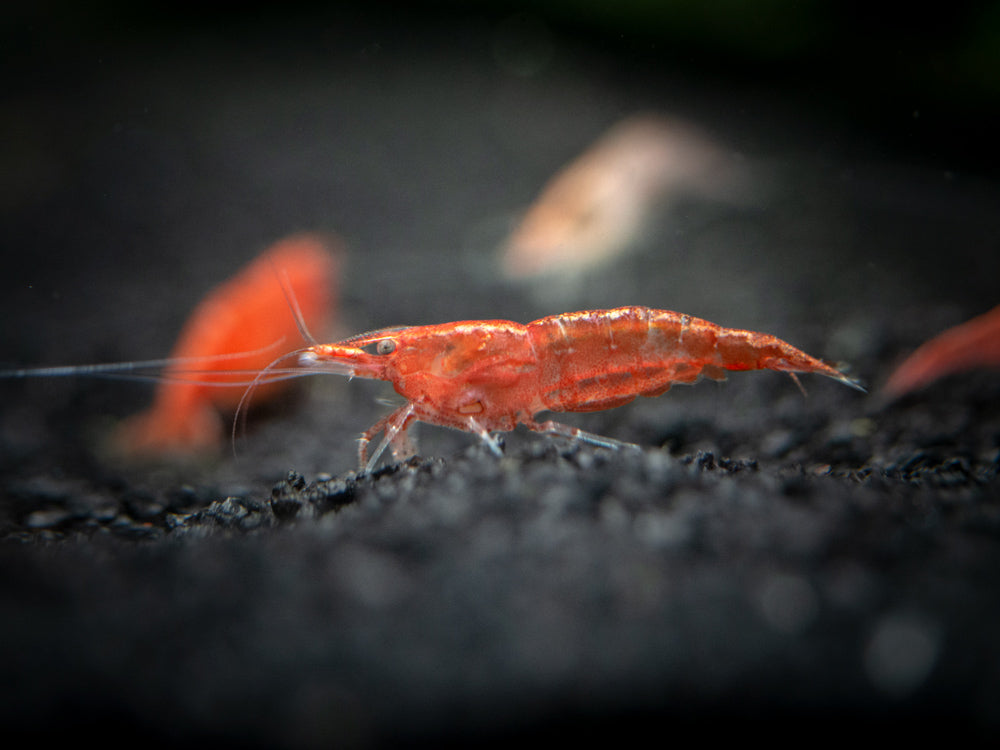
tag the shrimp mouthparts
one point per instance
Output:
(314, 364)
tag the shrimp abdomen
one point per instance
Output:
(599, 359)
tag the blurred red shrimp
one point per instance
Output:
(975, 343)
(250, 316)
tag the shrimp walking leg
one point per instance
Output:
(575, 433)
(395, 426)
(491, 442)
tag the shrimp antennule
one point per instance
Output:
(166, 370)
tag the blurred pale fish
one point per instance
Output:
(596, 207)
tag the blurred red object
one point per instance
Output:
(250, 316)
(973, 344)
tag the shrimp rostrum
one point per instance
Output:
(489, 376)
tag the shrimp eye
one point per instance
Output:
(381, 347)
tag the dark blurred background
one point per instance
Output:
(926, 80)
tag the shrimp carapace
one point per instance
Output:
(253, 316)
(490, 375)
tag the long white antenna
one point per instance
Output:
(293, 303)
